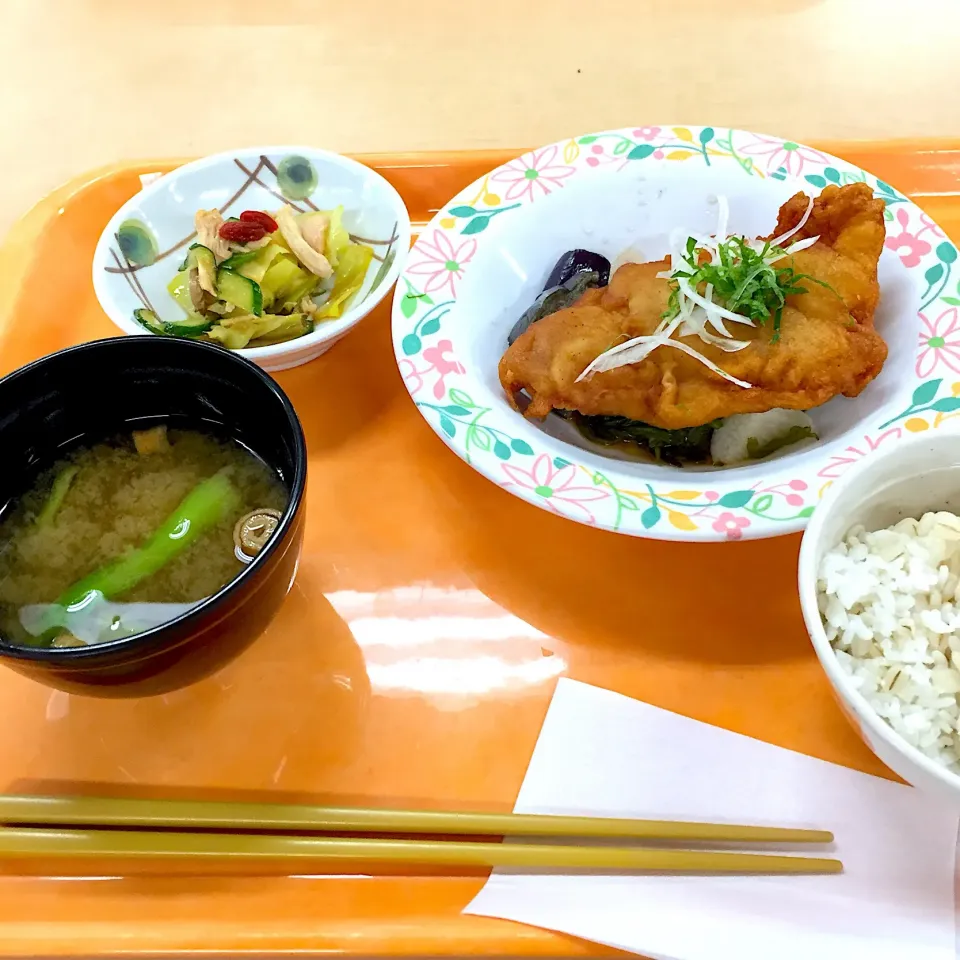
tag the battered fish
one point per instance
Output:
(827, 345)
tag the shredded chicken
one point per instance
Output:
(197, 297)
(314, 226)
(308, 306)
(315, 262)
(207, 224)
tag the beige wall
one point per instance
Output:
(87, 82)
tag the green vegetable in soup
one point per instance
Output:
(58, 493)
(210, 502)
(109, 521)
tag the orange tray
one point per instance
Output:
(414, 660)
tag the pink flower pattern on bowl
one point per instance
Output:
(441, 262)
(556, 487)
(908, 245)
(939, 343)
(412, 377)
(782, 153)
(838, 464)
(533, 175)
(928, 224)
(647, 133)
(437, 357)
(731, 525)
(439, 364)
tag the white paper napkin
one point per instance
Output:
(603, 754)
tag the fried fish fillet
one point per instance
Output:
(827, 346)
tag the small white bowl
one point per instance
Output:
(903, 480)
(156, 227)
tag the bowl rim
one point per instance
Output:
(807, 590)
(328, 331)
(149, 640)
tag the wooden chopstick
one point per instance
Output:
(238, 816)
(155, 845)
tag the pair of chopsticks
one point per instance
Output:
(168, 829)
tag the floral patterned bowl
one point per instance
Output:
(483, 259)
(143, 245)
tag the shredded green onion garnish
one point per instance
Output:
(745, 280)
(715, 281)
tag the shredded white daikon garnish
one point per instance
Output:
(779, 241)
(698, 314)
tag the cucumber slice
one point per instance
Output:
(239, 259)
(179, 289)
(193, 325)
(201, 259)
(240, 291)
(148, 319)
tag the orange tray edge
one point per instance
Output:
(170, 916)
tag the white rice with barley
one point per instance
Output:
(890, 602)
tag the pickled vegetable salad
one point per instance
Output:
(260, 279)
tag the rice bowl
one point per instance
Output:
(881, 606)
(888, 599)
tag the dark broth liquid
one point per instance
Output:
(115, 502)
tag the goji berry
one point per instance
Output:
(239, 231)
(258, 216)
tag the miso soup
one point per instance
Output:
(122, 536)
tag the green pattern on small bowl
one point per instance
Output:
(137, 243)
(296, 177)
